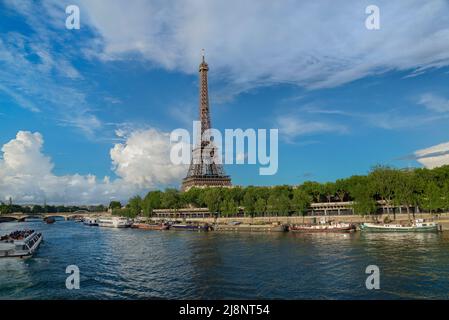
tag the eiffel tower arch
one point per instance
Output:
(205, 170)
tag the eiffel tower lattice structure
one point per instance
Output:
(205, 168)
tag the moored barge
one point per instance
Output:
(49, 220)
(150, 226)
(252, 227)
(336, 227)
(418, 225)
(191, 227)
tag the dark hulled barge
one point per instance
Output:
(150, 226)
(191, 227)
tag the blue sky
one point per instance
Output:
(85, 114)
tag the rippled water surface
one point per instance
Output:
(137, 264)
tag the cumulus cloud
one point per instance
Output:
(434, 156)
(252, 43)
(145, 159)
(141, 163)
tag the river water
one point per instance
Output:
(138, 264)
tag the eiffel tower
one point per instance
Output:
(205, 170)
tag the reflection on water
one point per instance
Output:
(137, 264)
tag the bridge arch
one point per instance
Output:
(9, 219)
(79, 211)
(54, 215)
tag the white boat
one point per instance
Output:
(20, 244)
(114, 222)
(90, 221)
(418, 225)
(331, 227)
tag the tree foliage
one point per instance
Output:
(423, 189)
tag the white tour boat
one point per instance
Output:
(114, 222)
(20, 244)
(90, 221)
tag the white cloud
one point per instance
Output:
(434, 156)
(392, 119)
(141, 163)
(40, 76)
(145, 159)
(434, 102)
(253, 43)
(291, 126)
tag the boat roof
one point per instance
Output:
(5, 246)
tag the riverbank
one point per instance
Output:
(442, 218)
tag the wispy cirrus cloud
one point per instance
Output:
(292, 126)
(434, 102)
(244, 52)
(315, 46)
(37, 69)
(392, 119)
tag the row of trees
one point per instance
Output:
(425, 189)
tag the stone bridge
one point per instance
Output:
(24, 216)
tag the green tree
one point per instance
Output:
(37, 209)
(384, 180)
(432, 198)
(341, 189)
(329, 190)
(123, 212)
(300, 202)
(249, 200)
(151, 201)
(192, 197)
(279, 200)
(260, 207)
(115, 205)
(405, 193)
(135, 206)
(228, 207)
(171, 199)
(5, 209)
(213, 198)
(360, 189)
(314, 189)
